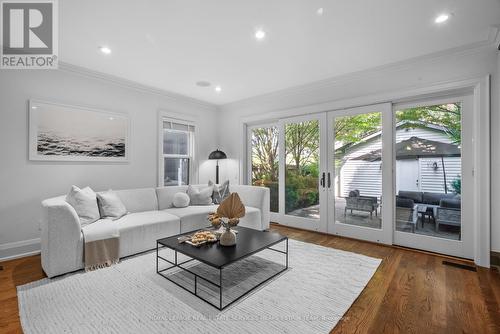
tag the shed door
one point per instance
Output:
(407, 177)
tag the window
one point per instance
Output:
(178, 148)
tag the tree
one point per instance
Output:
(265, 153)
(301, 143)
(448, 116)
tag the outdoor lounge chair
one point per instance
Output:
(406, 212)
(361, 203)
(449, 213)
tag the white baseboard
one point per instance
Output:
(18, 249)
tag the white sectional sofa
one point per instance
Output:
(151, 216)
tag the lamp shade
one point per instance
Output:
(217, 154)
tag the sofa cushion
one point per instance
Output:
(140, 230)
(192, 217)
(84, 201)
(221, 191)
(110, 205)
(416, 196)
(138, 200)
(252, 218)
(201, 196)
(181, 200)
(435, 198)
(404, 202)
(166, 195)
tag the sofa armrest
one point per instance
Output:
(257, 197)
(61, 238)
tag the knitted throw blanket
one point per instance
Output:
(102, 244)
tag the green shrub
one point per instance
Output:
(457, 185)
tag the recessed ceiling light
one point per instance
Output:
(218, 89)
(111, 118)
(34, 107)
(203, 83)
(320, 11)
(104, 49)
(442, 18)
(260, 34)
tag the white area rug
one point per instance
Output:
(310, 297)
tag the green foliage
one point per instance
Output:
(457, 185)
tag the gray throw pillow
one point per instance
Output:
(201, 196)
(110, 205)
(220, 191)
(181, 200)
(84, 201)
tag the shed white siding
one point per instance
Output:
(367, 176)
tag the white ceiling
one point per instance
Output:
(172, 44)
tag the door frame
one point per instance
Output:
(384, 234)
(480, 85)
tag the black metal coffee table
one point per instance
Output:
(249, 242)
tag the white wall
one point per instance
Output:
(23, 183)
(417, 73)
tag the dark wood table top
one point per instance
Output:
(248, 242)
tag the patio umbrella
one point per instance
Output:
(416, 147)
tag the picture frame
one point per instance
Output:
(61, 132)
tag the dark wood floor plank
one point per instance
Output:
(411, 292)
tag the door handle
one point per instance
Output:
(322, 182)
(329, 180)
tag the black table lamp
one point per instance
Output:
(217, 155)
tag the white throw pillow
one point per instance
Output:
(181, 200)
(84, 201)
(201, 196)
(110, 205)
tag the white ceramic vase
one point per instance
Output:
(228, 238)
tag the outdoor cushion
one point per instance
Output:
(450, 203)
(416, 196)
(404, 202)
(435, 198)
(139, 231)
(138, 200)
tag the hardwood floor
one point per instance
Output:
(411, 292)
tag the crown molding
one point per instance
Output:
(82, 71)
(469, 49)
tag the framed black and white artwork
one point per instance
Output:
(59, 132)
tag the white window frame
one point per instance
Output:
(166, 116)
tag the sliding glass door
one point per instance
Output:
(433, 167)
(302, 182)
(402, 176)
(360, 173)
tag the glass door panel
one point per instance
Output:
(360, 144)
(264, 161)
(358, 169)
(302, 179)
(431, 197)
(302, 169)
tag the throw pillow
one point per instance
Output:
(84, 201)
(181, 200)
(220, 191)
(110, 205)
(201, 196)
